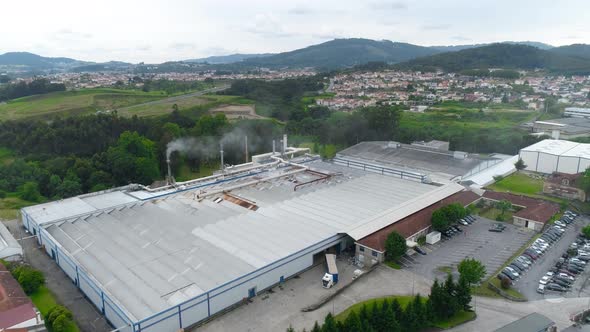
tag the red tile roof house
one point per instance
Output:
(16, 309)
(372, 247)
(535, 213)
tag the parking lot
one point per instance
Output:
(476, 241)
(529, 281)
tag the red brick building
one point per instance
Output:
(411, 227)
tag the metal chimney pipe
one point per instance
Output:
(169, 172)
(285, 144)
(221, 153)
(274, 149)
(246, 147)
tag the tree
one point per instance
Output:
(472, 270)
(439, 220)
(419, 312)
(329, 324)
(29, 278)
(463, 294)
(585, 182)
(438, 300)
(520, 165)
(316, 327)
(396, 308)
(59, 319)
(586, 231)
(133, 159)
(505, 283)
(352, 322)
(452, 304)
(390, 321)
(503, 206)
(395, 246)
(290, 328)
(30, 192)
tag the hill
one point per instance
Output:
(32, 60)
(225, 59)
(509, 56)
(454, 48)
(575, 50)
(340, 53)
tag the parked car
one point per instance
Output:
(532, 255)
(555, 287)
(545, 280)
(420, 251)
(463, 222)
(512, 271)
(520, 269)
(541, 289)
(568, 273)
(562, 283)
(563, 279)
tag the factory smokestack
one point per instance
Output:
(246, 147)
(221, 153)
(169, 172)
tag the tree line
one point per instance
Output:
(446, 299)
(23, 89)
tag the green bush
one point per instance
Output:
(29, 278)
(586, 231)
(58, 319)
(422, 240)
(395, 246)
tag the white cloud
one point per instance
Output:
(158, 30)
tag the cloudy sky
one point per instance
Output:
(161, 30)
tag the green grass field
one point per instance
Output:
(190, 105)
(519, 183)
(10, 205)
(44, 301)
(74, 102)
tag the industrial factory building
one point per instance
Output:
(421, 161)
(548, 156)
(168, 258)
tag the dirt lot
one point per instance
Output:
(237, 111)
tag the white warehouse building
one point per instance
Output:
(169, 258)
(548, 156)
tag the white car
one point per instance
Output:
(545, 280)
(577, 261)
(513, 271)
(550, 274)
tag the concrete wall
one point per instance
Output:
(367, 255)
(564, 191)
(536, 226)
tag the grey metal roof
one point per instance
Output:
(534, 322)
(412, 158)
(153, 255)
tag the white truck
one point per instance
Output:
(331, 277)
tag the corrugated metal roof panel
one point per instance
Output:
(375, 223)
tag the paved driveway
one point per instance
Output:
(276, 311)
(494, 313)
(492, 249)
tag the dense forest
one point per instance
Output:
(23, 89)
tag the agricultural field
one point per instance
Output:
(190, 103)
(74, 102)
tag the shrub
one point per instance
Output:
(505, 283)
(29, 278)
(422, 240)
(586, 231)
(58, 319)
